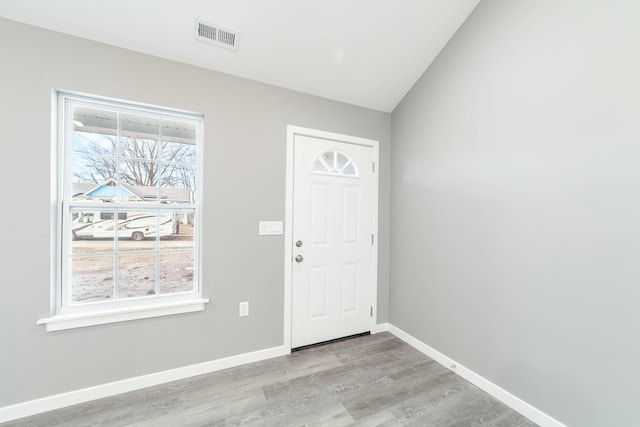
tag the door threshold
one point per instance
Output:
(318, 344)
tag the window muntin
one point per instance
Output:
(129, 203)
(333, 162)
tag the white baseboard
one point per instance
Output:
(517, 404)
(381, 327)
(75, 397)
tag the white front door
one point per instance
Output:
(332, 240)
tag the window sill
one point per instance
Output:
(79, 320)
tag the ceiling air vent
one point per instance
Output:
(217, 35)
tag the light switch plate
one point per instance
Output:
(270, 228)
(244, 309)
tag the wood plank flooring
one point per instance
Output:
(375, 380)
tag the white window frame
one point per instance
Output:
(66, 316)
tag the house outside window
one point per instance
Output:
(128, 212)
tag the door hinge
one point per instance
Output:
(373, 167)
(372, 239)
(371, 311)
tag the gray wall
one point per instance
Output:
(516, 205)
(244, 174)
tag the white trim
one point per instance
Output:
(375, 232)
(63, 315)
(514, 402)
(288, 236)
(381, 327)
(55, 225)
(60, 322)
(292, 131)
(32, 407)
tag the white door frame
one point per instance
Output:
(292, 131)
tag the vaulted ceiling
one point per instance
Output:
(362, 52)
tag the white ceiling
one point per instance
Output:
(362, 52)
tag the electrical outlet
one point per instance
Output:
(244, 309)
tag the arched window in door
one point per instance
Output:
(334, 162)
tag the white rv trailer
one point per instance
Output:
(132, 225)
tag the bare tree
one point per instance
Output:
(139, 162)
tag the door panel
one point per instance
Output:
(318, 214)
(349, 287)
(318, 292)
(333, 218)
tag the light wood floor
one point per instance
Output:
(375, 380)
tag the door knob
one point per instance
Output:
(299, 243)
(299, 258)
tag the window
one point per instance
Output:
(128, 212)
(334, 162)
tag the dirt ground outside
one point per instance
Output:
(137, 271)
